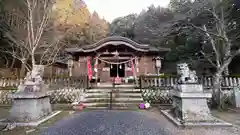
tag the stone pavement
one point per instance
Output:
(231, 116)
(106, 123)
(126, 123)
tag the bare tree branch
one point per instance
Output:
(209, 60)
(16, 56)
(205, 31)
(213, 46)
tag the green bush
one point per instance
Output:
(235, 75)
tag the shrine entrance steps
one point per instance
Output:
(119, 97)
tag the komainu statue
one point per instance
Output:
(33, 81)
(186, 75)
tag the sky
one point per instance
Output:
(111, 9)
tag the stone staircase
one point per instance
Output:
(123, 97)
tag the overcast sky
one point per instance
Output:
(111, 9)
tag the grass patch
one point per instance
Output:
(4, 111)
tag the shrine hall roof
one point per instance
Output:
(118, 40)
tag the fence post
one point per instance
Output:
(87, 83)
(140, 82)
(110, 107)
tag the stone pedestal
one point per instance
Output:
(190, 103)
(30, 107)
(236, 93)
(31, 102)
(190, 107)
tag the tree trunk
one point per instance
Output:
(226, 71)
(227, 55)
(7, 63)
(216, 90)
(33, 60)
(23, 69)
(13, 62)
(38, 70)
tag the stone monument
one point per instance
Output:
(189, 106)
(31, 102)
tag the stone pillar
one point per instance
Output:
(70, 66)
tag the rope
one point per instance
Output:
(117, 63)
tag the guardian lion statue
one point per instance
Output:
(186, 75)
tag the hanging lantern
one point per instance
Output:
(120, 67)
(111, 66)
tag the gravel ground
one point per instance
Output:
(126, 123)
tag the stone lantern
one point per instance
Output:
(158, 64)
(70, 65)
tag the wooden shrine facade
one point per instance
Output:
(114, 57)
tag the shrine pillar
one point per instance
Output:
(136, 67)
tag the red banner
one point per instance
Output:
(89, 68)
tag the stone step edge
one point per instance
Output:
(116, 103)
(107, 97)
(113, 90)
(108, 108)
(118, 96)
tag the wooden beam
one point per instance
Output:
(111, 53)
(116, 58)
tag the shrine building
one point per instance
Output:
(115, 57)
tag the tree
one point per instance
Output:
(152, 25)
(220, 32)
(31, 30)
(97, 28)
(3, 41)
(89, 28)
(124, 26)
(180, 6)
(77, 14)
